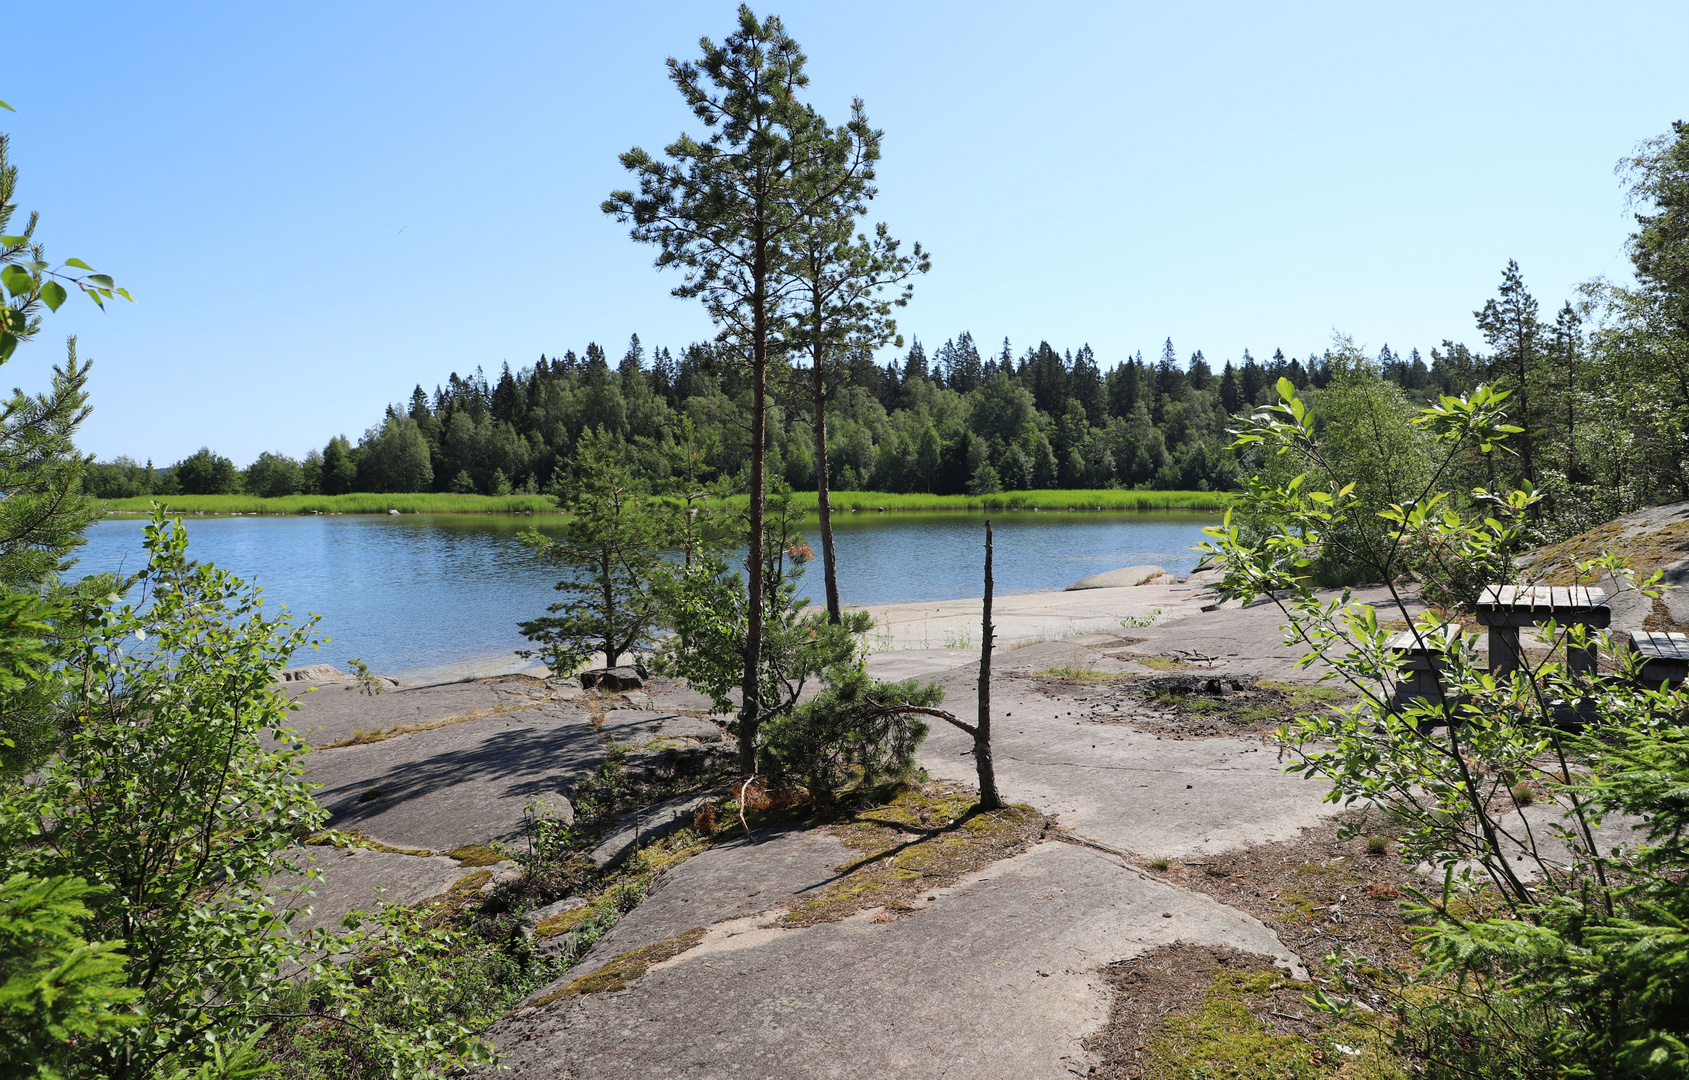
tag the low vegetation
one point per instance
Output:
(843, 501)
(358, 503)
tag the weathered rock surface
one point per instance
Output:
(314, 673)
(994, 977)
(353, 879)
(1126, 789)
(464, 783)
(533, 918)
(650, 823)
(1126, 577)
(331, 713)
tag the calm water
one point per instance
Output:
(442, 594)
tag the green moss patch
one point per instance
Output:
(475, 855)
(623, 969)
(563, 922)
(1159, 663)
(1073, 673)
(924, 838)
(471, 883)
(1188, 1011)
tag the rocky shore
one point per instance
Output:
(1131, 720)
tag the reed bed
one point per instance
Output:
(357, 503)
(843, 501)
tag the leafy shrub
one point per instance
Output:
(166, 798)
(1534, 964)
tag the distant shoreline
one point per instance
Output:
(843, 502)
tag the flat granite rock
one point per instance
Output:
(640, 726)
(1246, 641)
(1123, 788)
(461, 784)
(995, 978)
(729, 881)
(354, 879)
(1124, 578)
(333, 712)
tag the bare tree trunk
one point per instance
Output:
(611, 653)
(823, 497)
(988, 797)
(750, 706)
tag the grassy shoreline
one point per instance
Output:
(843, 501)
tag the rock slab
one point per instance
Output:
(651, 823)
(1125, 577)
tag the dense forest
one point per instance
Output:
(950, 422)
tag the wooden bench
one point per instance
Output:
(1420, 669)
(1505, 608)
(1665, 657)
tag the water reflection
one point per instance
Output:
(436, 591)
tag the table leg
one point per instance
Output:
(1504, 650)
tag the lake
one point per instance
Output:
(439, 596)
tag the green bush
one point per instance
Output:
(854, 729)
(1534, 963)
(178, 795)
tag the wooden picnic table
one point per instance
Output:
(1665, 657)
(1505, 608)
(1419, 672)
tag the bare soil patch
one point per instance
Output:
(1318, 893)
(1196, 705)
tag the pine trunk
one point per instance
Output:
(988, 797)
(823, 496)
(611, 654)
(750, 706)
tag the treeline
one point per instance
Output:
(952, 422)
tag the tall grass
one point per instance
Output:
(845, 501)
(358, 503)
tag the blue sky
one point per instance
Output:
(317, 206)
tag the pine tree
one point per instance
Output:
(1510, 325)
(1231, 391)
(724, 211)
(843, 309)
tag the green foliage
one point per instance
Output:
(611, 548)
(42, 510)
(851, 731)
(205, 473)
(396, 457)
(274, 476)
(166, 797)
(28, 279)
(58, 992)
(846, 726)
(367, 683)
(1572, 966)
